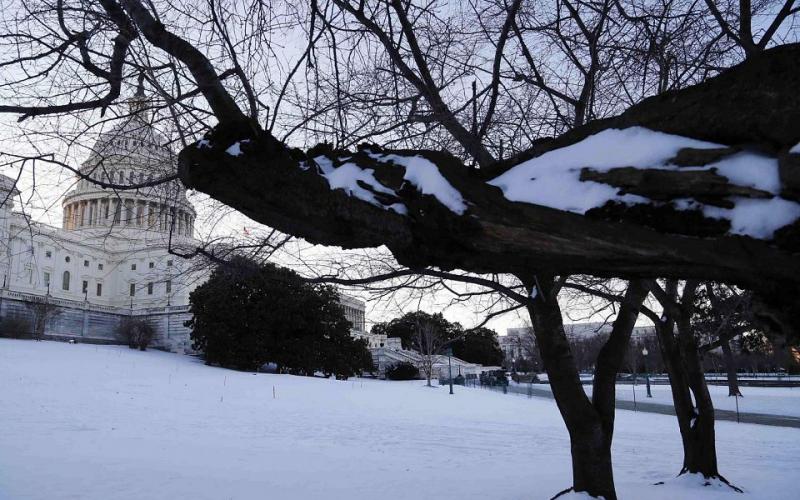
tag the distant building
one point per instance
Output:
(514, 342)
(110, 259)
(354, 311)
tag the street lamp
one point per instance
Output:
(449, 353)
(646, 371)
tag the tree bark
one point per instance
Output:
(687, 380)
(282, 187)
(590, 423)
(700, 450)
(731, 368)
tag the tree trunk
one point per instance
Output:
(701, 454)
(731, 368)
(590, 423)
(696, 422)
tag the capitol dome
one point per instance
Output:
(131, 153)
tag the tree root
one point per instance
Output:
(568, 490)
(718, 477)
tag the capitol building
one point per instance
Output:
(111, 258)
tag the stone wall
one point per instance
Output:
(86, 323)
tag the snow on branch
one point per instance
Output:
(694, 183)
(638, 166)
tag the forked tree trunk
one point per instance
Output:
(590, 423)
(701, 454)
(696, 422)
(731, 368)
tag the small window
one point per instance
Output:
(85, 263)
(100, 267)
(65, 280)
(47, 280)
(66, 259)
(133, 267)
(85, 287)
(169, 263)
(149, 289)
(169, 286)
(48, 254)
(152, 265)
(133, 289)
(99, 289)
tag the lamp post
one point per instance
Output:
(450, 368)
(646, 371)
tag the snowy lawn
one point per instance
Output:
(101, 423)
(769, 400)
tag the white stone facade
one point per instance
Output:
(110, 259)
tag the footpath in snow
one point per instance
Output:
(764, 400)
(106, 423)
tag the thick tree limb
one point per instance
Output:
(268, 184)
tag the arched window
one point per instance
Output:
(65, 280)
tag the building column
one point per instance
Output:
(140, 218)
(150, 218)
(128, 211)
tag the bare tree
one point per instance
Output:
(428, 342)
(251, 167)
(43, 311)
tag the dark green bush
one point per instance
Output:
(136, 333)
(402, 371)
(248, 314)
(15, 327)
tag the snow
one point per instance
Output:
(768, 400)
(101, 422)
(346, 177)
(796, 148)
(425, 176)
(757, 218)
(572, 495)
(553, 179)
(419, 171)
(236, 148)
(751, 170)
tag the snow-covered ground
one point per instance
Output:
(768, 400)
(106, 423)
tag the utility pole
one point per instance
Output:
(450, 368)
(646, 371)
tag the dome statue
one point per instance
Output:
(129, 159)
